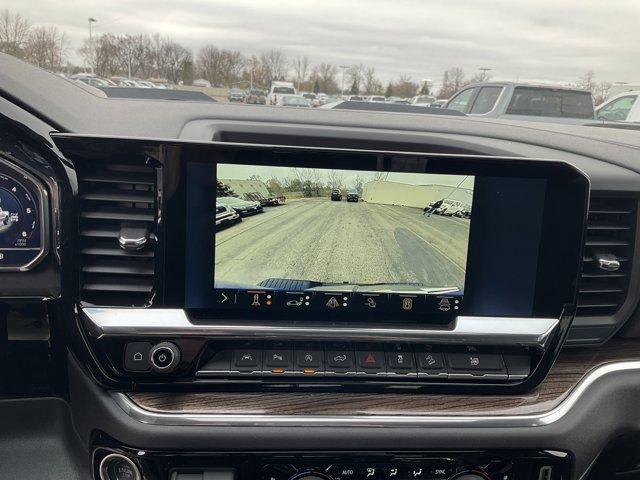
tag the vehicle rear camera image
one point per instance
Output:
(341, 239)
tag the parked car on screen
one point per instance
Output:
(226, 215)
(352, 196)
(255, 97)
(355, 98)
(243, 207)
(278, 89)
(446, 205)
(523, 101)
(322, 98)
(236, 95)
(624, 107)
(377, 98)
(292, 101)
(454, 210)
(336, 195)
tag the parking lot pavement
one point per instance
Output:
(317, 239)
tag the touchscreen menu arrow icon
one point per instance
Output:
(223, 297)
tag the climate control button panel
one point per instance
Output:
(367, 465)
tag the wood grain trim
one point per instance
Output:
(571, 366)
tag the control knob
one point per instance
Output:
(471, 476)
(311, 475)
(164, 357)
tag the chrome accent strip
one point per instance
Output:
(130, 322)
(432, 421)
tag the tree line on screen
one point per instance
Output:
(145, 56)
(307, 182)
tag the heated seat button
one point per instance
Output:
(472, 361)
(136, 357)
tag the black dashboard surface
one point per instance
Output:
(47, 104)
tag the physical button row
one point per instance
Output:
(425, 471)
(342, 359)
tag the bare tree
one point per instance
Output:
(335, 179)
(14, 31)
(404, 87)
(587, 81)
(220, 67)
(275, 63)
(356, 76)
(358, 184)
(325, 75)
(301, 69)
(601, 92)
(452, 81)
(481, 76)
(47, 47)
(175, 60)
(372, 84)
(102, 55)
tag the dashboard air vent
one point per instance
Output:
(117, 232)
(607, 258)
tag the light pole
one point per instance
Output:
(343, 67)
(485, 75)
(91, 51)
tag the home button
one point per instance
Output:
(136, 357)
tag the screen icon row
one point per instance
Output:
(335, 301)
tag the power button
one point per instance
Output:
(164, 357)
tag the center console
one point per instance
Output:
(357, 270)
(271, 272)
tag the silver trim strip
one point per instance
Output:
(432, 421)
(131, 322)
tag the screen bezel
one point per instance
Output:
(564, 217)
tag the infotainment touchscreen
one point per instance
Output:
(301, 234)
(304, 236)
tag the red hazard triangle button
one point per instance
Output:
(370, 361)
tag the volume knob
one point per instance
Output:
(164, 357)
(311, 475)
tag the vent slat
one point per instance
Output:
(137, 196)
(131, 178)
(109, 196)
(610, 230)
(119, 267)
(128, 214)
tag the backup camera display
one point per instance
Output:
(301, 230)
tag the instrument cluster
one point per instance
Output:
(23, 219)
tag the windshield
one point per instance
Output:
(233, 53)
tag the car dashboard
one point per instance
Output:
(157, 326)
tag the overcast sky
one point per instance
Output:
(243, 172)
(541, 40)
